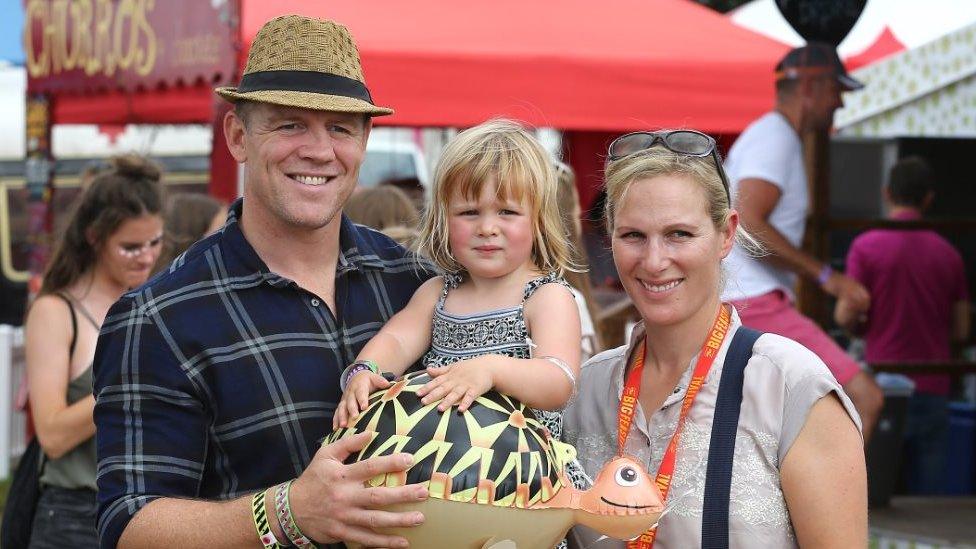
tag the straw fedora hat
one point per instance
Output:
(299, 61)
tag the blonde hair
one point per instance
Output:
(660, 161)
(502, 151)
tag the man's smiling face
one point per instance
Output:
(301, 165)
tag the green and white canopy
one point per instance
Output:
(927, 91)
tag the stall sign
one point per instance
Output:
(95, 45)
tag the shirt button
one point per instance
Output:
(677, 390)
(315, 302)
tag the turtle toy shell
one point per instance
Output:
(495, 453)
(495, 476)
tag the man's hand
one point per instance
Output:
(460, 383)
(848, 290)
(849, 318)
(331, 501)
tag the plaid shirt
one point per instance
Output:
(219, 377)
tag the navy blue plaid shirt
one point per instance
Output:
(219, 377)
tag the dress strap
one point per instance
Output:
(74, 323)
(538, 282)
(81, 309)
(451, 281)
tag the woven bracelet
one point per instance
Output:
(355, 368)
(260, 514)
(287, 520)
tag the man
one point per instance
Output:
(769, 182)
(919, 305)
(218, 379)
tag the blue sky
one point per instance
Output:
(11, 25)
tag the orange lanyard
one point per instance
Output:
(628, 405)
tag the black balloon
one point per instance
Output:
(822, 20)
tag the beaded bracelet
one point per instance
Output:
(287, 520)
(260, 514)
(355, 368)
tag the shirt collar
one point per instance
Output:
(242, 262)
(637, 333)
(355, 250)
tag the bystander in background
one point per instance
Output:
(770, 189)
(110, 243)
(568, 201)
(919, 304)
(387, 209)
(189, 217)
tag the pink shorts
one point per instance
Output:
(774, 313)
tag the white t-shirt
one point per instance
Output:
(769, 149)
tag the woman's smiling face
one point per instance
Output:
(667, 249)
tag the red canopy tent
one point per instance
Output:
(884, 45)
(576, 65)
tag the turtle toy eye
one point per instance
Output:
(627, 476)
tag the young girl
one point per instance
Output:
(494, 226)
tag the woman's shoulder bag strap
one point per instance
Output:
(718, 476)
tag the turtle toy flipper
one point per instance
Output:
(494, 473)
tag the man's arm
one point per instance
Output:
(846, 314)
(756, 200)
(152, 441)
(330, 502)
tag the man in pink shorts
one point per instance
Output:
(766, 168)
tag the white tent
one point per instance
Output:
(912, 22)
(86, 141)
(927, 91)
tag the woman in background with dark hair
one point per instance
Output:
(110, 245)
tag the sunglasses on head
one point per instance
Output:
(685, 142)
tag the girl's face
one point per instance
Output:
(667, 250)
(490, 236)
(128, 254)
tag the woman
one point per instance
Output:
(798, 474)
(110, 244)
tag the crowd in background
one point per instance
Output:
(122, 230)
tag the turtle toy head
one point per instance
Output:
(623, 501)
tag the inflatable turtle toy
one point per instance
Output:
(496, 477)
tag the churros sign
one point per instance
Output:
(80, 45)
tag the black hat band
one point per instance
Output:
(304, 81)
